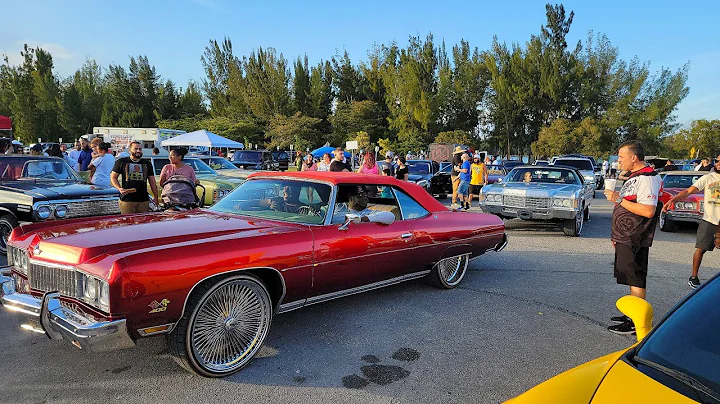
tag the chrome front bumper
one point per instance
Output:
(529, 213)
(676, 216)
(47, 316)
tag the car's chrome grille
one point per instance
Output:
(702, 206)
(48, 279)
(515, 201)
(93, 208)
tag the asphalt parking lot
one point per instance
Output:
(519, 317)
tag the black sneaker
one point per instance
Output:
(694, 282)
(626, 328)
(620, 319)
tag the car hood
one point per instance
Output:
(533, 189)
(77, 241)
(57, 189)
(693, 197)
(223, 179)
(418, 177)
(576, 385)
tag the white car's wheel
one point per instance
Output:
(573, 227)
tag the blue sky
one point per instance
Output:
(173, 34)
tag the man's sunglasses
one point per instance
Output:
(717, 161)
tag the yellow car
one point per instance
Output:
(678, 361)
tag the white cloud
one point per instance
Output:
(59, 53)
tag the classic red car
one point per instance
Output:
(212, 279)
(690, 209)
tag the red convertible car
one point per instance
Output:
(689, 209)
(212, 279)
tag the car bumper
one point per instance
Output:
(529, 213)
(684, 216)
(46, 315)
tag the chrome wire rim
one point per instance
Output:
(5, 231)
(662, 220)
(579, 222)
(230, 326)
(452, 269)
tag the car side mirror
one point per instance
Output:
(350, 218)
(639, 311)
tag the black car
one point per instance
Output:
(37, 188)
(510, 164)
(428, 175)
(256, 160)
(282, 158)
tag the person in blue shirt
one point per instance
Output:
(465, 176)
(85, 155)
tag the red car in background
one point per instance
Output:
(690, 209)
(211, 280)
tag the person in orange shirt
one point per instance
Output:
(478, 170)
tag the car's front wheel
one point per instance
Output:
(448, 272)
(666, 224)
(226, 326)
(7, 224)
(573, 227)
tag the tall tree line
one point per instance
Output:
(544, 97)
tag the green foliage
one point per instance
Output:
(455, 136)
(300, 131)
(702, 135)
(358, 116)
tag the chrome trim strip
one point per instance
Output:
(284, 308)
(282, 281)
(144, 333)
(64, 201)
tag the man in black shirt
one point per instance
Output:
(338, 164)
(136, 172)
(387, 166)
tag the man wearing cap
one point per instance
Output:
(454, 174)
(386, 166)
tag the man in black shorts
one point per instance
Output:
(708, 236)
(633, 225)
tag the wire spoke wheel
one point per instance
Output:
(229, 326)
(450, 271)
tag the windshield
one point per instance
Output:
(546, 175)
(687, 340)
(47, 169)
(286, 200)
(580, 164)
(680, 181)
(418, 167)
(242, 155)
(221, 164)
(495, 170)
(280, 155)
(198, 166)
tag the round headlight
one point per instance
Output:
(557, 202)
(61, 211)
(90, 288)
(566, 203)
(43, 212)
(689, 205)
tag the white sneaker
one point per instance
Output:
(455, 205)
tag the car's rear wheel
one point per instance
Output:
(573, 227)
(448, 272)
(586, 214)
(226, 327)
(666, 224)
(7, 224)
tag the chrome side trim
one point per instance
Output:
(284, 308)
(144, 333)
(282, 281)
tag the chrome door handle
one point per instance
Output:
(406, 235)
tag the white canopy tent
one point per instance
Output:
(202, 138)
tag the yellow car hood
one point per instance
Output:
(577, 385)
(625, 383)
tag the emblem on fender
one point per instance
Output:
(159, 307)
(37, 250)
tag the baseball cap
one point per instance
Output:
(389, 154)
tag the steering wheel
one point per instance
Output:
(307, 210)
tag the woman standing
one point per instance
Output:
(177, 167)
(369, 166)
(324, 164)
(309, 164)
(402, 171)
